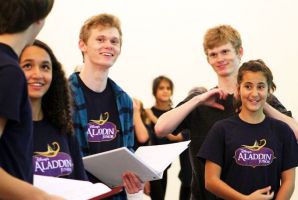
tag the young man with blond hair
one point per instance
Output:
(100, 104)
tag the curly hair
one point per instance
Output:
(56, 103)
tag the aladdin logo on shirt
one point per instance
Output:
(101, 130)
(255, 155)
(52, 162)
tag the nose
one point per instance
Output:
(221, 57)
(36, 72)
(108, 44)
(254, 91)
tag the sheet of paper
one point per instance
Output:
(69, 188)
(159, 157)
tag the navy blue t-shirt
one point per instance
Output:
(103, 132)
(16, 141)
(252, 156)
(154, 139)
(56, 154)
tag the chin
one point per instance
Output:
(35, 96)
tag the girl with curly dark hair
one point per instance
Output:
(56, 150)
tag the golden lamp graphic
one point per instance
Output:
(256, 146)
(103, 118)
(51, 152)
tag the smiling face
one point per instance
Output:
(253, 92)
(224, 59)
(102, 47)
(37, 66)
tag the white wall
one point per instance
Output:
(165, 37)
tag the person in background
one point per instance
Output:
(54, 139)
(251, 155)
(162, 90)
(223, 49)
(100, 103)
(185, 166)
(20, 22)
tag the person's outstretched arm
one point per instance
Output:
(169, 121)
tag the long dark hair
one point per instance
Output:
(55, 103)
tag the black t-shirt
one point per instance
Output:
(16, 141)
(252, 156)
(199, 122)
(153, 138)
(103, 132)
(56, 154)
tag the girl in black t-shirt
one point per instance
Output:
(162, 90)
(251, 155)
(56, 150)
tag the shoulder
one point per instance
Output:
(278, 124)
(119, 92)
(13, 75)
(280, 128)
(11, 69)
(73, 79)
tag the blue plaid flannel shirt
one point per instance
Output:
(80, 121)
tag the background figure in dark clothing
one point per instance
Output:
(162, 90)
(185, 165)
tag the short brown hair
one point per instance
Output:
(104, 20)
(220, 35)
(17, 15)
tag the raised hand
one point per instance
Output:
(210, 98)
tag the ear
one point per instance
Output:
(207, 58)
(240, 52)
(40, 21)
(237, 92)
(82, 46)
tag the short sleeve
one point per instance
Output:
(290, 148)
